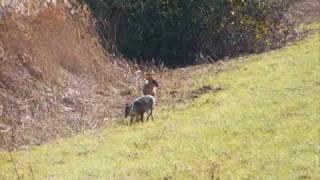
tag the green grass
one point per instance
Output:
(309, 27)
(263, 125)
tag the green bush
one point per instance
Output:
(174, 31)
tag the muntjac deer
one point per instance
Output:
(138, 107)
(150, 85)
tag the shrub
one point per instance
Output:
(174, 31)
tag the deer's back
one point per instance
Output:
(143, 104)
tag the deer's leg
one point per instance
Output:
(150, 114)
(131, 118)
(142, 117)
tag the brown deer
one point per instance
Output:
(150, 85)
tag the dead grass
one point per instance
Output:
(55, 78)
(305, 11)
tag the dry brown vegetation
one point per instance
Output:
(54, 76)
(305, 11)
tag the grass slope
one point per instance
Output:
(263, 125)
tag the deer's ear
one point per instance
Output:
(148, 74)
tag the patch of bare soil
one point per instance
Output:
(204, 90)
(177, 86)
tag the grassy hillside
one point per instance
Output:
(263, 124)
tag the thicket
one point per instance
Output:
(178, 31)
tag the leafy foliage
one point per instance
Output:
(175, 31)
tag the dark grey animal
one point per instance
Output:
(138, 107)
